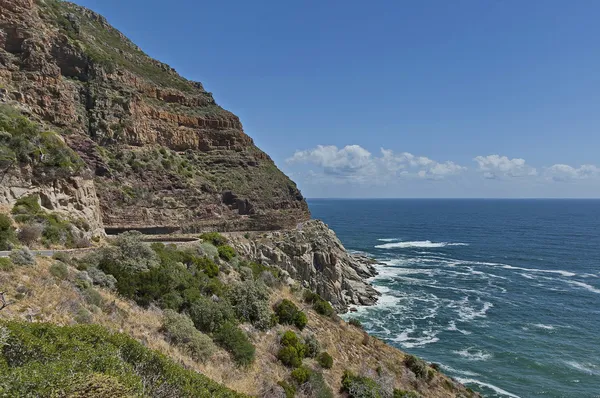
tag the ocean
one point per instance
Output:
(503, 294)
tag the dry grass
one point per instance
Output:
(36, 295)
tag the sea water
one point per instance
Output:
(503, 294)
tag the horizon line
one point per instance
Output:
(442, 198)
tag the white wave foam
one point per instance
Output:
(549, 271)
(467, 313)
(452, 327)
(418, 244)
(542, 326)
(498, 390)
(388, 240)
(585, 286)
(472, 354)
(450, 369)
(588, 368)
(407, 341)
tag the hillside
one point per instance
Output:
(245, 325)
(161, 153)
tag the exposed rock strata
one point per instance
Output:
(312, 253)
(67, 66)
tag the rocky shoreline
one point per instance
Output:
(314, 255)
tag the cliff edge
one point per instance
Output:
(162, 153)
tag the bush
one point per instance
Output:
(289, 356)
(236, 342)
(209, 316)
(300, 375)
(215, 238)
(288, 314)
(360, 386)
(288, 389)
(101, 279)
(6, 265)
(289, 338)
(355, 322)
(30, 234)
(44, 360)
(312, 346)
(324, 308)
(7, 232)
(134, 253)
(208, 249)
(59, 270)
(251, 303)
(226, 252)
(418, 367)
(22, 256)
(325, 360)
(180, 330)
(300, 320)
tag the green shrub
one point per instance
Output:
(7, 232)
(43, 360)
(180, 330)
(288, 314)
(6, 265)
(325, 360)
(360, 386)
(300, 320)
(355, 322)
(59, 270)
(405, 394)
(312, 346)
(251, 303)
(215, 238)
(288, 389)
(289, 338)
(22, 256)
(324, 308)
(289, 356)
(320, 305)
(83, 316)
(101, 279)
(418, 367)
(236, 342)
(209, 316)
(226, 252)
(300, 375)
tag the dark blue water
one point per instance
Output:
(504, 294)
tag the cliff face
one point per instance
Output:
(312, 253)
(162, 152)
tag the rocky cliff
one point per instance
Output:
(162, 153)
(312, 253)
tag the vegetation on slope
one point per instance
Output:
(25, 143)
(40, 359)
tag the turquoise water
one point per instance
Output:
(503, 294)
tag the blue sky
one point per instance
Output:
(460, 98)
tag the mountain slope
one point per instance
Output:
(163, 153)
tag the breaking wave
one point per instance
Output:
(417, 244)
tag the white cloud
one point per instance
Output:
(496, 166)
(357, 163)
(564, 172)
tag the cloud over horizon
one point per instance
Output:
(355, 162)
(356, 168)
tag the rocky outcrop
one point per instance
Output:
(163, 152)
(74, 198)
(313, 254)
